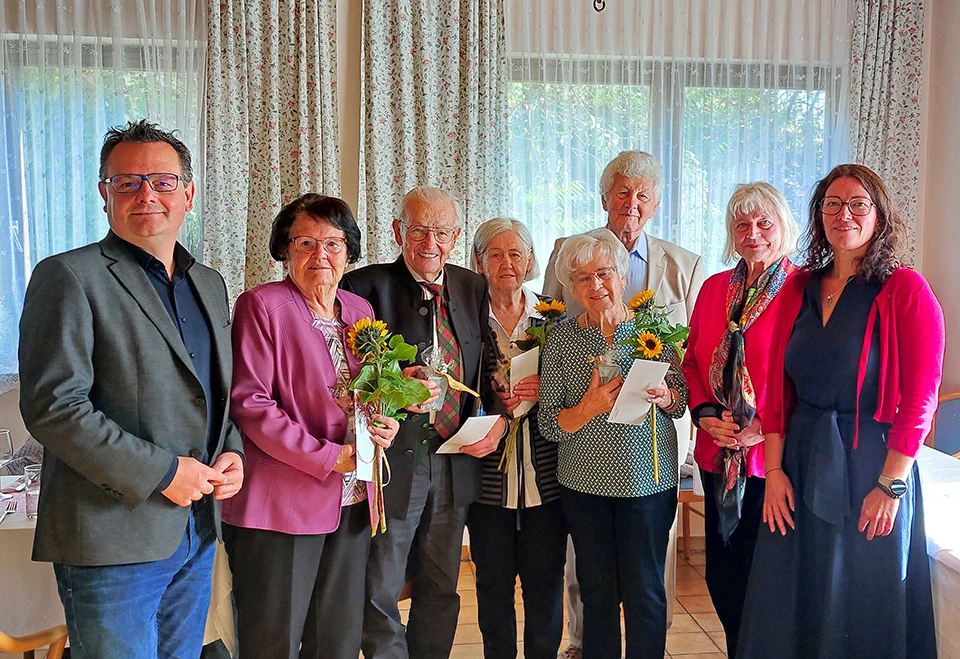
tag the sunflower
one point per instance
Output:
(640, 299)
(365, 336)
(551, 310)
(650, 345)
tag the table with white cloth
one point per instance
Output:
(28, 591)
(940, 479)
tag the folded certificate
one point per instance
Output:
(471, 432)
(365, 446)
(631, 405)
(521, 366)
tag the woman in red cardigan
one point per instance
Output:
(843, 571)
(726, 366)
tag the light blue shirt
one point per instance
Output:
(637, 278)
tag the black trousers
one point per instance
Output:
(535, 551)
(621, 547)
(293, 589)
(728, 566)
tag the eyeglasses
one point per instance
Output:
(308, 245)
(417, 233)
(130, 183)
(585, 278)
(858, 205)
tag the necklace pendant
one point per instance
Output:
(829, 300)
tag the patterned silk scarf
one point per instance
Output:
(730, 379)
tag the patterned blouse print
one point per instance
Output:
(602, 458)
(354, 490)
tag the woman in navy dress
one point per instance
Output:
(844, 570)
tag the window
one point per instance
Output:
(711, 126)
(57, 99)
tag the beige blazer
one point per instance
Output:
(673, 274)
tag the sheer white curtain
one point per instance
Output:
(69, 70)
(720, 91)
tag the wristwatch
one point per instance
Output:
(892, 487)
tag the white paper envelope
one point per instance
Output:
(475, 428)
(365, 446)
(521, 366)
(631, 405)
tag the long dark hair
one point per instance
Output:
(886, 248)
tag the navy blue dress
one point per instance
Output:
(823, 591)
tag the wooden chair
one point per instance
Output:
(945, 434)
(686, 497)
(55, 637)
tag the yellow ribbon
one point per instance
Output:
(510, 445)
(458, 386)
(380, 464)
(653, 431)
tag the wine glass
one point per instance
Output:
(6, 447)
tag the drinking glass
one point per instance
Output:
(31, 477)
(6, 447)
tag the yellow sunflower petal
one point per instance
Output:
(640, 299)
(650, 345)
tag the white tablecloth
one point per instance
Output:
(28, 591)
(940, 478)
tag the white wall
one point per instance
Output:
(939, 170)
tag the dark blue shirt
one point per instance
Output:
(181, 301)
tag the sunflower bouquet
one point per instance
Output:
(652, 332)
(381, 388)
(552, 312)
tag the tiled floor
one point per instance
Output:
(696, 632)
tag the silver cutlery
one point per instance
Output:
(11, 507)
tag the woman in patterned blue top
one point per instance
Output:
(619, 514)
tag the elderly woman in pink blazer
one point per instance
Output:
(298, 534)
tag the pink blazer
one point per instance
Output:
(912, 338)
(292, 427)
(706, 329)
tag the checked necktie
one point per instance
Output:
(447, 419)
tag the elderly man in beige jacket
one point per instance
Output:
(631, 188)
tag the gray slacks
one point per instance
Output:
(431, 538)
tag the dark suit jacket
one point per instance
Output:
(397, 299)
(109, 390)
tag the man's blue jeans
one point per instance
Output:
(154, 610)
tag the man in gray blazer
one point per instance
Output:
(125, 370)
(631, 187)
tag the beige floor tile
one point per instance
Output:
(710, 622)
(683, 623)
(469, 651)
(467, 634)
(404, 605)
(697, 558)
(701, 570)
(720, 640)
(682, 644)
(466, 582)
(678, 607)
(705, 655)
(685, 572)
(404, 615)
(468, 615)
(697, 604)
(466, 567)
(469, 598)
(692, 587)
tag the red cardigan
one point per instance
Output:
(911, 358)
(707, 326)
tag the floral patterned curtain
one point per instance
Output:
(434, 111)
(271, 121)
(885, 64)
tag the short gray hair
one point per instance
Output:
(492, 228)
(583, 248)
(761, 196)
(632, 164)
(429, 195)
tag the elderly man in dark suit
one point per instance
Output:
(125, 369)
(431, 303)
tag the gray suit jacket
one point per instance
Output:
(109, 390)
